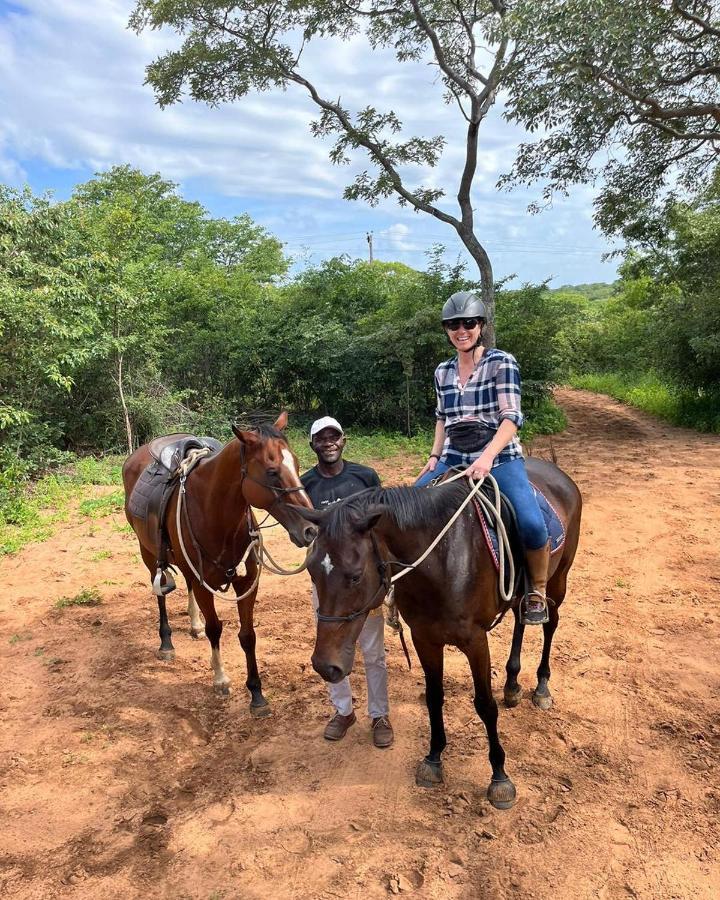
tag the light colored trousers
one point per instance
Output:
(372, 645)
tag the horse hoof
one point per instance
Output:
(222, 690)
(501, 794)
(197, 635)
(166, 655)
(512, 698)
(542, 701)
(428, 774)
(260, 710)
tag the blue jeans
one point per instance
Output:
(513, 482)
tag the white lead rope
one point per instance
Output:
(256, 544)
(495, 512)
(251, 546)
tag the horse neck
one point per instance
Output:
(458, 545)
(216, 486)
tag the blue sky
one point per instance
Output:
(72, 102)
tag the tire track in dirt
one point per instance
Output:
(121, 775)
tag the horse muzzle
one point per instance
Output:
(327, 671)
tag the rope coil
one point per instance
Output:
(505, 557)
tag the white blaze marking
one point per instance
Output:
(327, 565)
(289, 464)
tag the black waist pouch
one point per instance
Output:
(469, 437)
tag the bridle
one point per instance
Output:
(256, 542)
(279, 492)
(383, 567)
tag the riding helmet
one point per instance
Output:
(464, 305)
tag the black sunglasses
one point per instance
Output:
(467, 324)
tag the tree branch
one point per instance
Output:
(703, 24)
(373, 148)
(431, 34)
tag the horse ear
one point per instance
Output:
(369, 518)
(312, 515)
(249, 438)
(282, 420)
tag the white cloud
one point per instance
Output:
(72, 99)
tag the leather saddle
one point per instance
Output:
(152, 492)
(171, 449)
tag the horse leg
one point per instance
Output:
(213, 630)
(429, 770)
(542, 698)
(197, 626)
(501, 791)
(512, 692)
(166, 650)
(259, 706)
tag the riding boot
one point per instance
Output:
(533, 609)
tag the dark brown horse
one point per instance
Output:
(256, 468)
(450, 598)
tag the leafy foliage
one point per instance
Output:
(627, 90)
(231, 49)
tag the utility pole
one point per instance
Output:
(369, 240)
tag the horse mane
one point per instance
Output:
(408, 507)
(267, 430)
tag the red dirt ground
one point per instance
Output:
(122, 776)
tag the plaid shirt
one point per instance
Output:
(491, 394)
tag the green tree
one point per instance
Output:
(47, 319)
(628, 91)
(171, 301)
(231, 49)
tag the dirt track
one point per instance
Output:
(123, 777)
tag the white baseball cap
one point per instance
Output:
(325, 422)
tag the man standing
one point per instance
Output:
(333, 479)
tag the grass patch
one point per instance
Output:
(16, 638)
(35, 508)
(97, 507)
(699, 410)
(86, 597)
(101, 554)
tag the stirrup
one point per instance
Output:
(537, 613)
(160, 589)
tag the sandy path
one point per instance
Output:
(121, 776)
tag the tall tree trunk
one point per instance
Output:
(126, 414)
(487, 289)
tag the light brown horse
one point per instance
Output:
(450, 598)
(256, 468)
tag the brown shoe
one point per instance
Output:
(337, 727)
(382, 730)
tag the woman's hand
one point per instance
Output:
(429, 466)
(481, 466)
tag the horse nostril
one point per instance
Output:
(310, 533)
(333, 674)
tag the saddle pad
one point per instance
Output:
(146, 496)
(555, 528)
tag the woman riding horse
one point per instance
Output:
(478, 417)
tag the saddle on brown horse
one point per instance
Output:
(152, 492)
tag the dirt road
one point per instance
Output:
(123, 777)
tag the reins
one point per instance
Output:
(256, 545)
(494, 512)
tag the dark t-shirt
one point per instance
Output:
(325, 491)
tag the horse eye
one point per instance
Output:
(354, 579)
(273, 473)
